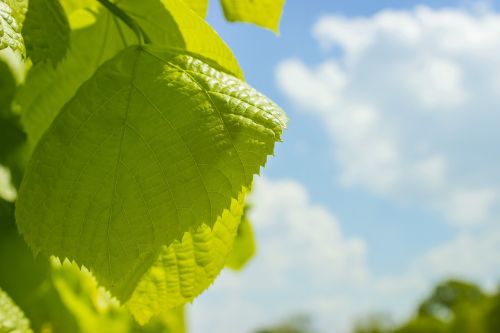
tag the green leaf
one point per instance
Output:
(185, 269)
(265, 13)
(155, 144)
(12, 137)
(47, 89)
(244, 246)
(11, 19)
(7, 89)
(46, 31)
(12, 319)
(27, 279)
(173, 24)
(198, 6)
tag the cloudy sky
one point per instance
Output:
(387, 180)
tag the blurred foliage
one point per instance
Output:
(453, 307)
(12, 137)
(296, 324)
(59, 298)
(244, 244)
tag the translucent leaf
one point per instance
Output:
(12, 319)
(185, 269)
(198, 6)
(46, 31)
(155, 144)
(47, 89)
(244, 246)
(265, 13)
(11, 19)
(173, 24)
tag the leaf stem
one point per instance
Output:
(125, 18)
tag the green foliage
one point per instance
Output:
(295, 324)
(244, 245)
(12, 136)
(198, 6)
(265, 13)
(59, 297)
(12, 319)
(11, 19)
(453, 307)
(139, 159)
(47, 89)
(46, 31)
(152, 126)
(184, 269)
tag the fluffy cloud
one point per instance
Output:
(412, 106)
(306, 265)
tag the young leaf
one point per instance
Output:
(47, 88)
(46, 31)
(11, 19)
(12, 319)
(170, 23)
(244, 246)
(155, 144)
(265, 13)
(198, 6)
(185, 269)
(173, 24)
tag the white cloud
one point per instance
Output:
(412, 108)
(306, 265)
(410, 105)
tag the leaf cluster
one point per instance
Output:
(132, 139)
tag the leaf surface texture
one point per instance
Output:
(154, 145)
(185, 269)
(11, 18)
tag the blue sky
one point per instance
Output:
(388, 159)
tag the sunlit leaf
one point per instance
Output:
(12, 319)
(244, 246)
(185, 269)
(11, 18)
(198, 6)
(265, 13)
(155, 144)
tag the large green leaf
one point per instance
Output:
(155, 144)
(46, 31)
(12, 319)
(11, 18)
(47, 89)
(198, 6)
(265, 13)
(185, 269)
